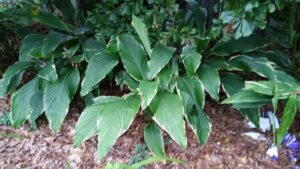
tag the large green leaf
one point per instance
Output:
(261, 66)
(165, 76)
(192, 96)
(276, 57)
(86, 126)
(290, 110)
(11, 75)
(47, 71)
(114, 119)
(95, 73)
(191, 59)
(20, 103)
(200, 15)
(283, 77)
(30, 43)
(252, 114)
(37, 106)
(52, 41)
(159, 58)
(168, 115)
(232, 84)
(246, 96)
(58, 96)
(268, 88)
(141, 30)
(192, 88)
(53, 21)
(133, 56)
(241, 45)
(92, 47)
(155, 140)
(148, 91)
(210, 79)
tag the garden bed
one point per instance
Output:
(226, 147)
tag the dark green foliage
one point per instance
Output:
(167, 54)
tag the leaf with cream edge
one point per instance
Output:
(241, 45)
(148, 91)
(232, 84)
(290, 110)
(133, 56)
(155, 141)
(10, 74)
(52, 41)
(47, 71)
(58, 96)
(193, 97)
(141, 30)
(20, 103)
(210, 79)
(86, 126)
(191, 59)
(95, 73)
(168, 114)
(159, 58)
(114, 119)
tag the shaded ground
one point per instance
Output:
(226, 147)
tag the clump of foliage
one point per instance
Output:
(142, 153)
(170, 63)
(4, 119)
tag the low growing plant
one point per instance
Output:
(168, 70)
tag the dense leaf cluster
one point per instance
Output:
(168, 54)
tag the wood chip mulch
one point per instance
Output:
(226, 147)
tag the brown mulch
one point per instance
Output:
(226, 147)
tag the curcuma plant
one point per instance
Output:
(154, 78)
(73, 55)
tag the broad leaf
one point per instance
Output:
(47, 71)
(159, 58)
(92, 47)
(252, 114)
(133, 56)
(154, 139)
(37, 106)
(290, 110)
(114, 119)
(11, 76)
(53, 21)
(276, 57)
(268, 88)
(52, 41)
(261, 66)
(165, 76)
(241, 45)
(148, 91)
(20, 103)
(86, 126)
(192, 95)
(98, 67)
(141, 30)
(231, 83)
(191, 59)
(30, 43)
(58, 96)
(168, 115)
(200, 15)
(246, 96)
(210, 79)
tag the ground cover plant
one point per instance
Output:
(168, 56)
